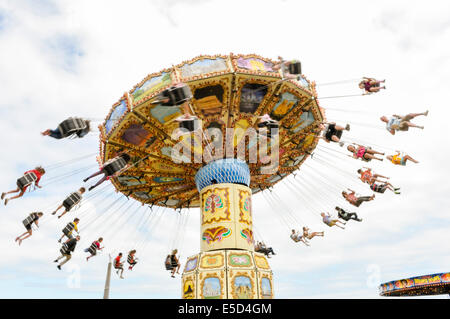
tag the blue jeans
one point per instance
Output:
(55, 134)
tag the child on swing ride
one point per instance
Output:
(398, 159)
(66, 251)
(172, 263)
(367, 177)
(93, 248)
(333, 132)
(327, 220)
(68, 230)
(309, 235)
(261, 247)
(28, 178)
(370, 85)
(354, 200)
(342, 214)
(32, 218)
(118, 265)
(295, 236)
(401, 123)
(291, 69)
(381, 188)
(111, 168)
(132, 260)
(72, 200)
(69, 127)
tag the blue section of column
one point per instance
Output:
(229, 170)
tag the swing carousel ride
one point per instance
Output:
(212, 167)
(209, 133)
(435, 284)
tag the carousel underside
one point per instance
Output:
(229, 91)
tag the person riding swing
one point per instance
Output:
(71, 201)
(381, 188)
(69, 127)
(67, 248)
(93, 248)
(131, 259)
(172, 263)
(291, 70)
(262, 248)
(118, 265)
(295, 236)
(363, 152)
(27, 222)
(70, 227)
(309, 235)
(342, 214)
(366, 176)
(356, 200)
(179, 95)
(371, 85)
(330, 222)
(401, 123)
(28, 178)
(400, 159)
(176, 95)
(111, 168)
(372, 179)
(333, 132)
(267, 126)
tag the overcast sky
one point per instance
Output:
(65, 58)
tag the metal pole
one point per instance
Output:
(108, 280)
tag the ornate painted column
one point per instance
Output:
(227, 266)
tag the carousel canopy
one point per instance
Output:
(228, 92)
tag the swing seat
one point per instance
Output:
(270, 125)
(177, 95)
(114, 166)
(378, 188)
(168, 263)
(68, 229)
(92, 249)
(73, 125)
(168, 266)
(26, 180)
(295, 68)
(83, 132)
(331, 130)
(71, 201)
(190, 124)
(64, 249)
(29, 220)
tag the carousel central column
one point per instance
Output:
(227, 266)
